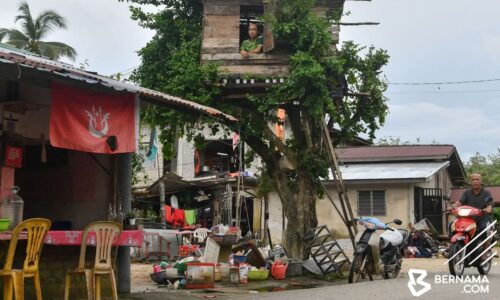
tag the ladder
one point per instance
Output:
(346, 211)
(326, 251)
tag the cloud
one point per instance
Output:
(470, 129)
(489, 44)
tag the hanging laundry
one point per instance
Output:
(174, 201)
(153, 145)
(169, 214)
(190, 216)
(179, 218)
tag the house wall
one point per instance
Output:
(399, 200)
(400, 203)
(152, 169)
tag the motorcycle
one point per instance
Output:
(463, 234)
(376, 254)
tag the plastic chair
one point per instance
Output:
(105, 232)
(201, 235)
(36, 230)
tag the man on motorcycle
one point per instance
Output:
(480, 198)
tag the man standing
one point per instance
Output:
(481, 198)
(254, 44)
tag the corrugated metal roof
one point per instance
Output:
(11, 55)
(391, 153)
(455, 194)
(407, 172)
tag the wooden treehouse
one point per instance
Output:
(225, 28)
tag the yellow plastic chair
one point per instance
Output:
(105, 232)
(36, 230)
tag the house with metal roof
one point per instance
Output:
(406, 182)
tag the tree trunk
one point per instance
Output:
(299, 205)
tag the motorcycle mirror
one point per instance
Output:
(397, 221)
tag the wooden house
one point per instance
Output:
(225, 27)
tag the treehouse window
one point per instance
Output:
(254, 15)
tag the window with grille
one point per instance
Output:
(371, 203)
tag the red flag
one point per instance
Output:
(91, 121)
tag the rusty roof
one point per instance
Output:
(395, 153)
(455, 194)
(26, 60)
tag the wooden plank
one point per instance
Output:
(221, 32)
(256, 69)
(221, 10)
(269, 9)
(250, 62)
(207, 3)
(236, 56)
(221, 43)
(222, 21)
(220, 50)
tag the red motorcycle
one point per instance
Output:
(463, 231)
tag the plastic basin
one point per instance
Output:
(239, 259)
(4, 224)
(258, 274)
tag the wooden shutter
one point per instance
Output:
(269, 10)
(378, 203)
(364, 203)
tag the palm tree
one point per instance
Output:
(34, 30)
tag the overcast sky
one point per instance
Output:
(428, 40)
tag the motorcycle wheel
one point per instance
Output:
(456, 269)
(359, 268)
(485, 269)
(396, 268)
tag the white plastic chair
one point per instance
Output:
(201, 235)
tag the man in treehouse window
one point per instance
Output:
(254, 44)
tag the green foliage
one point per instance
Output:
(496, 214)
(396, 141)
(486, 165)
(33, 30)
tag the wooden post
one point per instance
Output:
(124, 192)
(345, 205)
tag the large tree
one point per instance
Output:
(486, 165)
(33, 30)
(344, 87)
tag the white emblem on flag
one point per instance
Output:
(98, 122)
